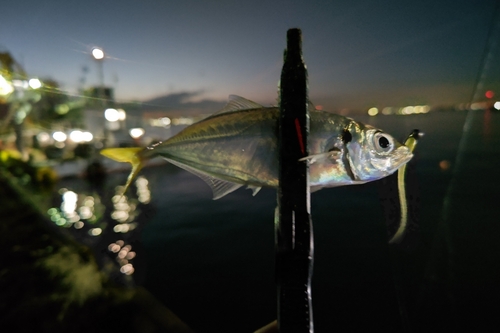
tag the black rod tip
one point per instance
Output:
(294, 41)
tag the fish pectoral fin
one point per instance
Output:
(331, 155)
(315, 188)
(219, 187)
(255, 189)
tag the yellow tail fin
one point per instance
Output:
(129, 155)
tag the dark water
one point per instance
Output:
(212, 262)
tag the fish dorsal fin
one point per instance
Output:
(236, 103)
(219, 187)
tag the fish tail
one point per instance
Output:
(129, 155)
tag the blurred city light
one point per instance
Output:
(59, 136)
(35, 83)
(497, 105)
(87, 136)
(136, 132)
(406, 110)
(62, 109)
(97, 53)
(160, 122)
(387, 111)
(183, 121)
(5, 87)
(76, 136)
(373, 111)
(478, 106)
(444, 165)
(68, 206)
(111, 115)
(489, 94)
(122, 115)
(43, 136)
(20, 84)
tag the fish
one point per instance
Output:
(238, 146)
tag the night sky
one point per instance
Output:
(359, 54)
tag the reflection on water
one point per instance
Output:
(106, 224)
(80, 211)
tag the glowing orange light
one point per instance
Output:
(489, 94)
(444, 165)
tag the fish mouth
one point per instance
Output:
(402, 155)
(391, 163)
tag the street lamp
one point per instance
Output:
(98, 55)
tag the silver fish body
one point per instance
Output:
(238, 146)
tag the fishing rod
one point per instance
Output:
(293, 224)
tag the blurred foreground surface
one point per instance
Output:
(50, 283)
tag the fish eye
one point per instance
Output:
(383, 143)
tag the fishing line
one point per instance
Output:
(468, 122)
(443, 224)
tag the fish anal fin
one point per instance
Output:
(219, 187)
(254, 189)
(236, 103)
